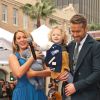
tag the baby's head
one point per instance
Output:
(58, 35)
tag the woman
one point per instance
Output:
(24, 90)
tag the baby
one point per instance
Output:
(57, 59)
(36, 66)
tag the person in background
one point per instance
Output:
(4, 89)
(1, 84)
(24, 90)
(86, 69)
(0, 90)
(10, 89)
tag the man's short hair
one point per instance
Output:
(79, 19)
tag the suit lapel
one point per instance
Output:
(71, 52)
(84, 50)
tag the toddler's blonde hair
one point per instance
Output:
(64, 41)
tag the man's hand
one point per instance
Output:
(63, 76)
(70, 89)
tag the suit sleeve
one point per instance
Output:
(94, 77)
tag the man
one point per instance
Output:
(86, 68)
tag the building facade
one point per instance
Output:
(89, 8)
(12, 18)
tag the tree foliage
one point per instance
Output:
(94, 27)
(41, 10)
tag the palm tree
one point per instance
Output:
(41, 10)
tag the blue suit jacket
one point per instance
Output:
(87, 74)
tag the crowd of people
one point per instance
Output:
(80, 77)
(6, 89)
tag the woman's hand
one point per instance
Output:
(48, 69)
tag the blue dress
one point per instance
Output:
(24, 90)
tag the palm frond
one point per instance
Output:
(26, 8)
(40, 10)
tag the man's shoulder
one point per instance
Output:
(71, 43)
(70, 46)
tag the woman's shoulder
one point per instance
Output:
(14, 55)
(11, 55)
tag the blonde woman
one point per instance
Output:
(24, 90)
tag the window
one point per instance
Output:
(25, 21)
(15, 16)
(4, 13)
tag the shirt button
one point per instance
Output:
(79, 73)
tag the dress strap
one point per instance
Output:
(17, 55)
(20, 59)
